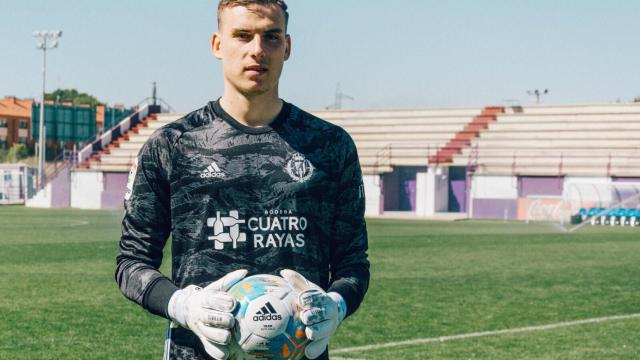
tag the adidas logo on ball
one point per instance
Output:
(267, 312)
(267, 325)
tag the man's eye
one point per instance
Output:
(272, 37)
(243, 36)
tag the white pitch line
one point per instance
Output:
(483, 333)
(76, 223)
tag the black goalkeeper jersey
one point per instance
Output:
(287, 195)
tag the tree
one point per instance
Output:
(637, 99)
(72, 96)
(16, 153)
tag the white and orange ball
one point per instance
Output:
(268, 325)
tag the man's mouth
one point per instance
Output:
(256, 69)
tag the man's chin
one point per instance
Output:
(255, 89)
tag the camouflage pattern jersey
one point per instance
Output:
(287, 195)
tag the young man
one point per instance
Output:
(248, 184)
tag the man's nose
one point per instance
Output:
(257, 47)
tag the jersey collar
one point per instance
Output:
(221, 113)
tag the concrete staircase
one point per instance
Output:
(119, 154)
(462, 139)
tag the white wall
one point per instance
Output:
(432, 191)
(494, 187)
(86, 189)
(372, 195)
(42, 199)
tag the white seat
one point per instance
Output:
(595, 140)
(371, 114)
(578, 109)
(566, 125)
(560, 135)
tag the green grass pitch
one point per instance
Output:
(429, 279)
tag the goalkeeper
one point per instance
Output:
(248, 184)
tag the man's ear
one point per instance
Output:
(287, 52)
(216, 47)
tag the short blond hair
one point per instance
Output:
(223, 4)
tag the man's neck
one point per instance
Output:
(256, 111)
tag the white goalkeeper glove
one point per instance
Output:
(208, 312)
(321, 312)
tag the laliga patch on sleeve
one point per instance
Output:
(132, 178)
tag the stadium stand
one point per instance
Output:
(390, 138)
(589, 140)
(119, 154)
(384, 138)
(534, 163)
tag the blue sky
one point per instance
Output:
(386, 54)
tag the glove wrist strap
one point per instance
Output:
(342, 305)
(177, 305)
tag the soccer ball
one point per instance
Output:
(267, 321)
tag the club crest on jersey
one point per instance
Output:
(299, 168)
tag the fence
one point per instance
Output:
(73, 123)
(17, 182)
(113, 133)
(112, 116)
(64, 123)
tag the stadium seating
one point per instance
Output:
(384, 138)
(119, 155)
(631, 219)
(389, 138)
(590, 140)
(612, 216)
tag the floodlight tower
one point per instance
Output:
(154, 94)
(538, 94)
(339, 97)
(43, 44)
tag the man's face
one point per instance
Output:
(253, 46)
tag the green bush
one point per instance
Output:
(16, 153)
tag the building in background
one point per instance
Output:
(66, 124)
(15, 121)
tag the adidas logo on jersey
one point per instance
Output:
(267, 312)
(212, 171)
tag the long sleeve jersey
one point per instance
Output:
(287, 195)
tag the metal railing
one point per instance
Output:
(116, 131)
(17, 183)
(65, 160)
